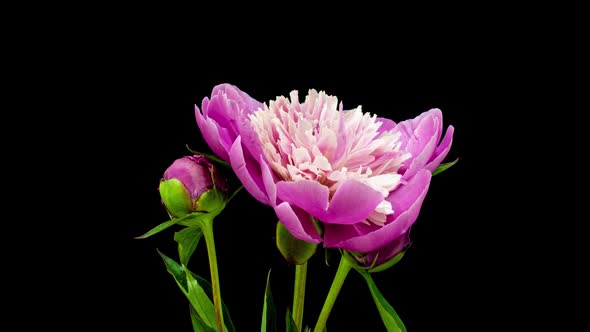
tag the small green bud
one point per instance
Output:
(295, 251)
(192, 184)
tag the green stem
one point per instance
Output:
(299, 294)
(341, 273)
(207, 228)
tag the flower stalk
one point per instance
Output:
(343, 268)
(299, 294)
(207, 227)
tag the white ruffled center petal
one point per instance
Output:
(317, 140)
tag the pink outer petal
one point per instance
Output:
(298, 222)
(406, 202)
(352, 202)
(419, 137)
(250, 137)
(216, 137)
(269, 182)
(246, 103)
(236, 116)
(308, 195)
(386, 124)
(224, 117)
(442, 150)
(248, 171)
(224, 112)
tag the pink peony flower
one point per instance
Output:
(362, 177)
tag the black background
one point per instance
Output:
(103, 102)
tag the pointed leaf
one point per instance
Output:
(186, 219)
(290, 325)
(390, 318)
(198, 324)
(180, 276)
(158, 228)
(443, 167)
(187, 239)
(176, 270)
(200, 301)
(269, 312)
(206, 285)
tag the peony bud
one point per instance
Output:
(384, 257)
(192, 184)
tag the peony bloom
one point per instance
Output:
(363, 178)
(186, 181)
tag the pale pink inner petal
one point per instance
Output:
(317, 141)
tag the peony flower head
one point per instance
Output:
(362, 178)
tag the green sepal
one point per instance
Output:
(391, 262)
(354, 258)
(269, 312)
(175, 197)
(295, 251)
(211, 201)
(443, 167)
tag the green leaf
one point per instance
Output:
(269, 312)
(206, 285)
(290, 325)
(200, 301)
(176, 270)
(180, 276)
(295, 251)
(308, 329)
(390, 318)
(158, 228)
(187, 239)
(443, 167)
(182, 221)
(198, 324)
(192, 290)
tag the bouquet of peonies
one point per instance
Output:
(340, 178)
